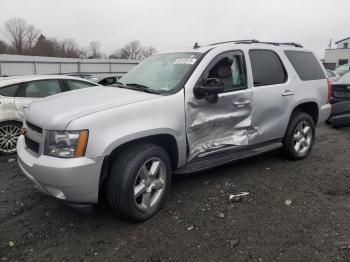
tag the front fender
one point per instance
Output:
(108, 129)
(142, 134)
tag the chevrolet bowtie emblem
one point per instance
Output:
(24, 131)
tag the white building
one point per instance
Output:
(14, 65)
(338, 56)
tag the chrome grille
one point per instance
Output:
(32, 145)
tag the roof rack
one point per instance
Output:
(254, 41)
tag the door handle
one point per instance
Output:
(288, 93)
(241, 103)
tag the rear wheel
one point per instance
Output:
(300, 136)
(139, 182)
(9, 133)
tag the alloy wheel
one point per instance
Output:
(302, 137)
(150, 183)
(8, 138)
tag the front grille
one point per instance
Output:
(32, 145)
(35, 128)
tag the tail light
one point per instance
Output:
(329, 90)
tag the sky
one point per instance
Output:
(171, 24)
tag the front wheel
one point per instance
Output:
(300, 136)
(139, 182)
(9, 133)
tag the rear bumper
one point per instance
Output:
(338, 100)
(325, 112)
(340, 120)
(74, 180)
(340, 114)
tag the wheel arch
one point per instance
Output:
(309, 107)
(165, 140)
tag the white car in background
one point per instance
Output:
(332, 76)
(105, 80)
(16, 93)
(343, 69)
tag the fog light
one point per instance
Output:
(56, 193)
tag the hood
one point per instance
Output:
(55, 112)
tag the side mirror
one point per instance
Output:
(209, 90)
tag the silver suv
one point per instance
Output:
(178, 112)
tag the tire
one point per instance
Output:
(135, 169)
(9, 133)
(298, 136)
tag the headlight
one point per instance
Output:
(66, 144)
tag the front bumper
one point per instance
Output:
(74, 180)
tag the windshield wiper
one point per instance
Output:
(118, 84)
(140, 87)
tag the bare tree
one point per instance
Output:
(31, 38)
(133, 50)
(70, 48)
(3, 47)
(21, 35)
(148, 51)
(94, 48)
(119, 54)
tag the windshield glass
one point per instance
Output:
(345, 79)
(161, 72)
(343, 68)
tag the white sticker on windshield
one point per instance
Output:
(187, 61)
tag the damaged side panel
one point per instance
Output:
(213, 127)
(7, 109)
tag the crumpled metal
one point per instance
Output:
(215, 127)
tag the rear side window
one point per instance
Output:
(42, 88)
(306, 65)
(9, 90)
(75, 85)
(267, 68)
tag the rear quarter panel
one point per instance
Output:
(8, 110)
(308, 91)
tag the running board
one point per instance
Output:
(200, 164)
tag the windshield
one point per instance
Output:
(343, 68)
(345, 79)
(161, 73)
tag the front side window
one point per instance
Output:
(230, 70)
(267, 68)
(161, 73)
(306, 65)
(75, 85)
(42, 88)
(10, 91)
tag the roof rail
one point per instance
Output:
(254, 41)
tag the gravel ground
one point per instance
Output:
(198, 222)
